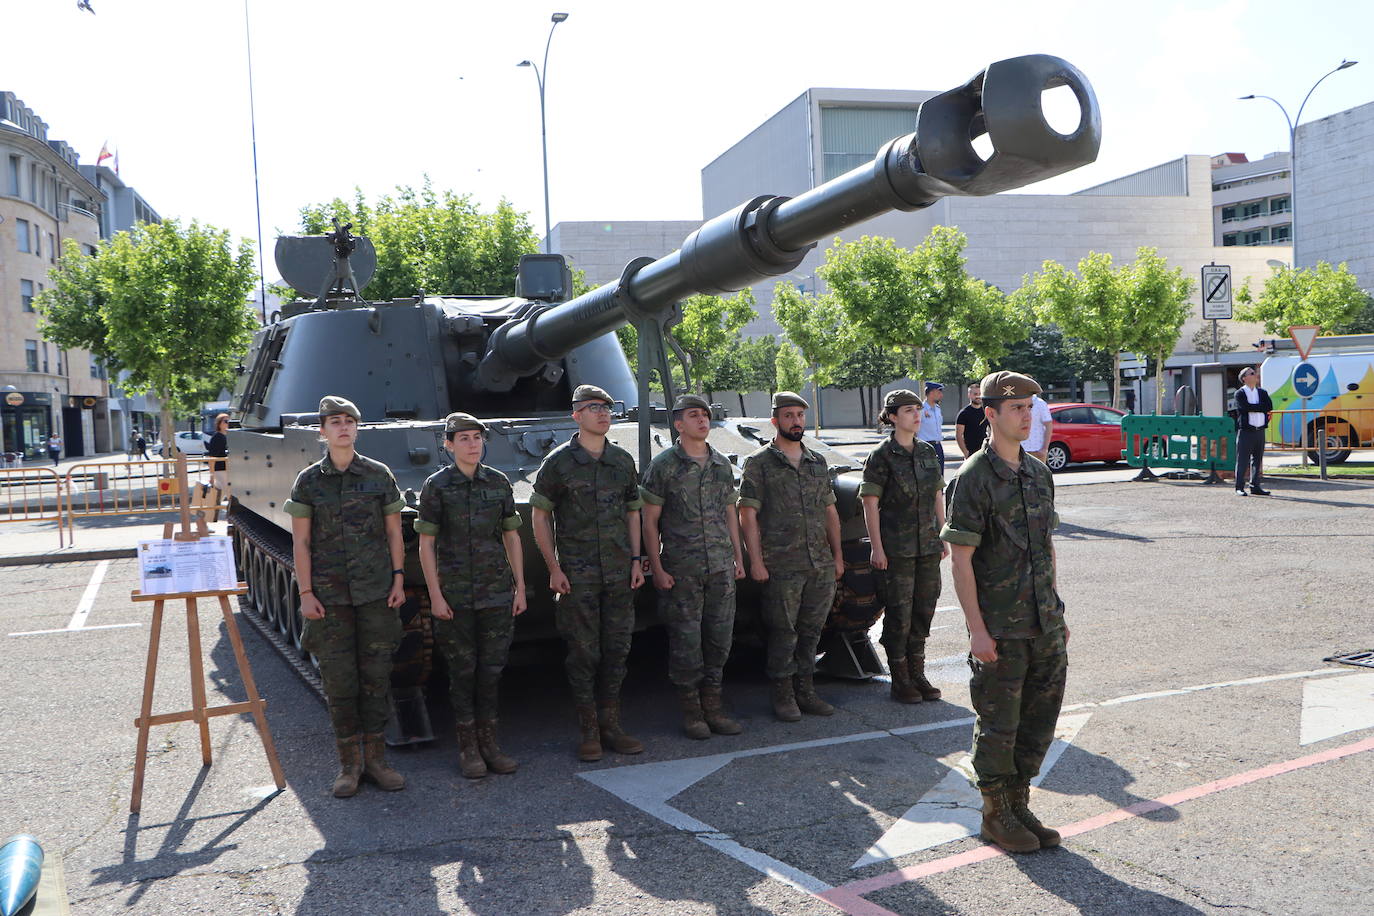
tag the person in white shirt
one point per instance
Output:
(1038, 442)
(1250, 408)
(932, 420)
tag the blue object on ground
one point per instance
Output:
(21, 863)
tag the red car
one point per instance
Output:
(1084, 432)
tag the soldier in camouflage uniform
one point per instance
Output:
(787, 513)
(1001, 515)
(689, 508)
(342, 509)
(474, 568)
(904, 509)
(587, 486)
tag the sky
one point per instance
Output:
(639, 95)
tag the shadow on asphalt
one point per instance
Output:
(1081, 884)
(1079, 532)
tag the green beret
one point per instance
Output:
(690, 400)
(458, 422)
(591, 393)
(789, 399)
(332, 404)
(900, 397)
(1006, 385)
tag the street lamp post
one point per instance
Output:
(1293, 147)
(540, 76)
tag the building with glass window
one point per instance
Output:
(1252, 202)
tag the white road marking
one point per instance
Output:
(1335, 707)
(83, 608)
(953, 809)
(103, 626)
(649, 786)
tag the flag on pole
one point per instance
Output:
(116, 159)
(104, 153)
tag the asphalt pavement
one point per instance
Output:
(1209, 760)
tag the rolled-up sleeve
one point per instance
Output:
(392, 501)
(548, 487)
(751, 486)
(510, 517)
(299, 505)
(431, 511)
(875, 476)
(965, 519)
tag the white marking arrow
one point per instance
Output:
(1335, 706)
(953, 809)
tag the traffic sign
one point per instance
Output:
(1216, 291)
(1305, 380)
(1304, 336)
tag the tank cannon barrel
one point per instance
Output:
(769, 236)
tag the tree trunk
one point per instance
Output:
(1116, 379)
(169, 429)
(741, 402)
(1159, 386)
(863, 405)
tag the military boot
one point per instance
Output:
(496, 761)
(375, 766)
(350, 768)
(469, 757)
(611, 732)
(916, 662)
(902, 689)
(1001, 826)
(1019, 793)
(590, 748)
(713, 710)
(693, 720)
(807, 700)
(785, 701)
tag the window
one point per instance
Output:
(1280, 205)
(21, 234)
(95, 368)
(52, 249)
(1281, 234)
(45, 356)
(59, 362)
(850, 137)
(26, 294)
(33, 183)
(89, 249)
(1254, 237)
(1228, 214)
(1073, 415)
(1252, 209)
(1105, 416)
(1228, 239)
(13, 185)
(38, 241)
(31, 355)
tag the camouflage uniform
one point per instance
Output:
(350, 572)
(906, 484)
(791, 504)
(467, 516)
(589, 498)
(1007, 514)
(700, 556)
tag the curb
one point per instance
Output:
(69, 556)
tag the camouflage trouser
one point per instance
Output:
(908, 589)
(475, 644)
(597, 620)
(699, 611)
(354, 644)
(1017, 699)
(795, 606)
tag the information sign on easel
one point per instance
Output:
(189, 565)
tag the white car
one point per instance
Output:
(191, 443)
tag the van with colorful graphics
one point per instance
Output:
(1328, 396)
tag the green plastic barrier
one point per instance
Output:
(1190, 443)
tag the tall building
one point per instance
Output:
(1335, 192)
(44, 201)
(1252, 202)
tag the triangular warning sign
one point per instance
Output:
(1304, 335)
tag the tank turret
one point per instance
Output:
(514, 361)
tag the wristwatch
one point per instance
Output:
(398, 572)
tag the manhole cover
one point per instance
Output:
(1362, 659)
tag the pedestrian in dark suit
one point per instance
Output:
(1251, 408)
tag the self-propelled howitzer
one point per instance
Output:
(513, 361)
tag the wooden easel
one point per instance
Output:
(199, 712)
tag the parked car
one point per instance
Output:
(189, 442)
(1084, 432)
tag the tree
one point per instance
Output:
(710, 324)
(1323, 295)
(1160, 301)
(866, 370)
(166, 305)
(1049, 357)
(1361, 323)
(439, 243)
(791, 369)
(815, 325)
(1202, 339)
(748, 364)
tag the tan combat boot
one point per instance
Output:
(1001, 826)
(693, 720)
(713, 710)
(590, 747)
(350, 768)
(916, 661)
(807, 700)
(1019, 793)
(611, 732)
(785, 701)
(469, 757)
(497, 761)
(902, 689)
(375, 766)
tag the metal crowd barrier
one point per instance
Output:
(32, 495)
(1188, 443)
(107, 488)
